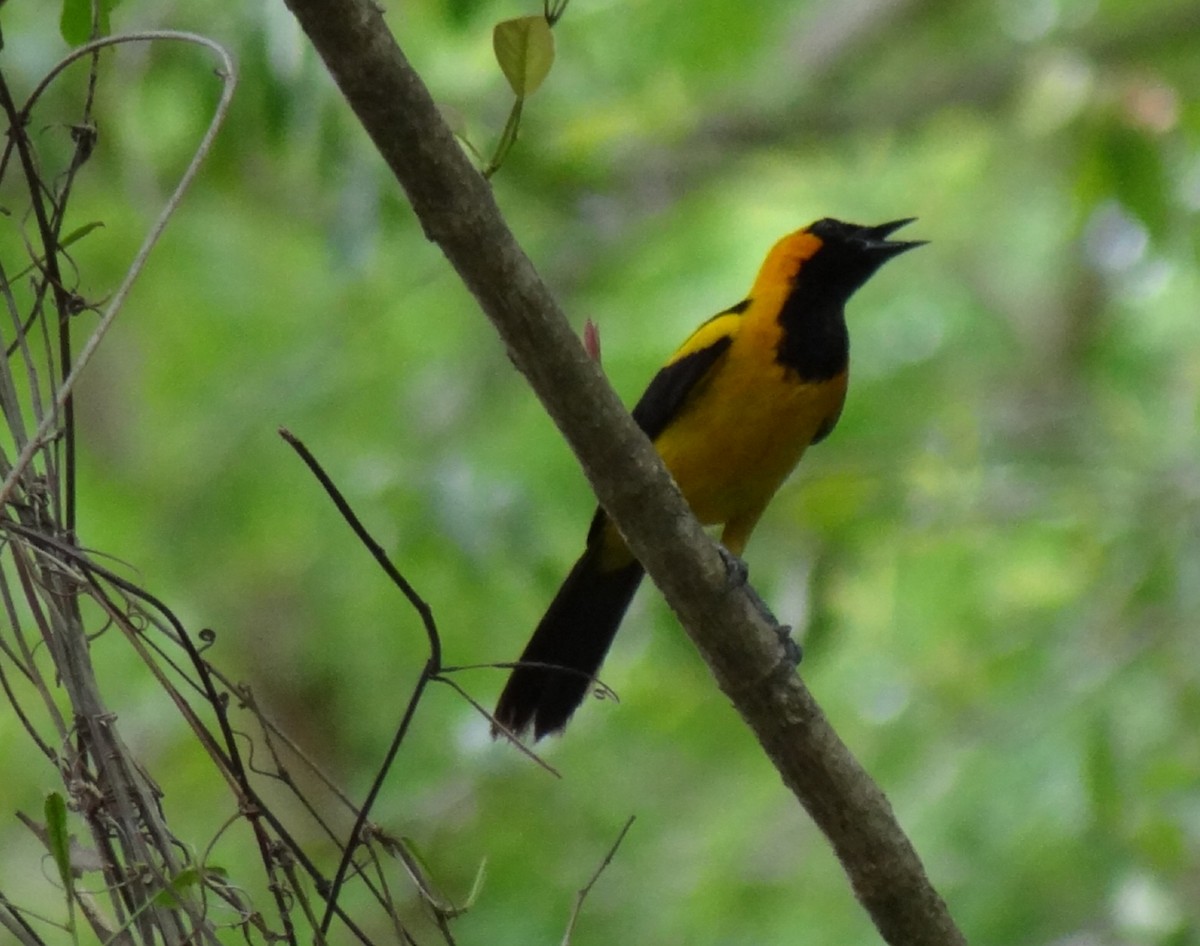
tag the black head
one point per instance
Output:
(850, 254)
(825, 264)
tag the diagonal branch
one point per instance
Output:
(458, 212)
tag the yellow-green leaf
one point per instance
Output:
(58, 839)
(525, 50)
(75, 23)
(59, 842)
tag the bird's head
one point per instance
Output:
(831, 257)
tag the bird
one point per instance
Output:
(730, 414)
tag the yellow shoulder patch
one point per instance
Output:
(724, 325)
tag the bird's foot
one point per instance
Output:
(739, 576)
(736, 568)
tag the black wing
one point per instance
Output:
(669, 389)
(671, 386)
(661, 402)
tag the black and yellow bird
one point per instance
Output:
(730, 413)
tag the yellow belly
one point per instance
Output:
(733, 450)
(740, 433)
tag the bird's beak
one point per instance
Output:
(875, 239)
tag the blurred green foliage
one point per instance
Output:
(994, 561)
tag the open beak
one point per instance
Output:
(876, 240)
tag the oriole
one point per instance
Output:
(730, 413)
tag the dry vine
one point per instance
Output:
(143, 884)
(129, 877)
(459, 212)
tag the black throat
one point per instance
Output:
(815, 342)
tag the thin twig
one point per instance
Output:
(12, 920)
(498, 727)
(428, 673)
(51, 274)
(228, 76)
(587, 888)
(458, 210)
(229, 761)
(376, 550)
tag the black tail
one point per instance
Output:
(575, 634)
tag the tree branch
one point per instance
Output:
(458, 212)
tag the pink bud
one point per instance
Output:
(591, 340)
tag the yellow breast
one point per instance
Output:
(744, 432)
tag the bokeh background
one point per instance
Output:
(994, 562)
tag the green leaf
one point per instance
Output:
(77, 234)
(59, 842)
(525, 50)
(166, 898)
(57, 837)
(80, 232)
(188, 877)
(76, 22)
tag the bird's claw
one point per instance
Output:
(736, 568)
(739, 576)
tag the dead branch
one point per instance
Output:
(458, 211)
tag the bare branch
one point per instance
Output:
(428, 673)
(458, 211)
(587, 888)
(228, 77)
(57, 600)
